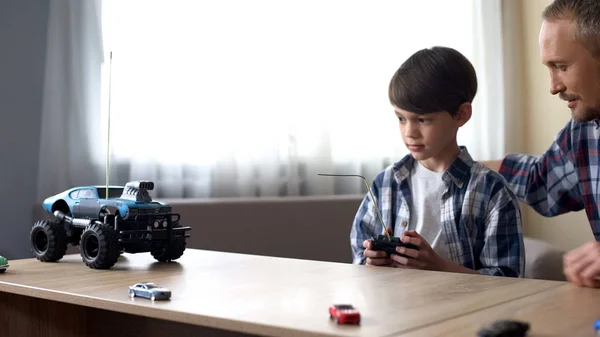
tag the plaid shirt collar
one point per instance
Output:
(458, 172)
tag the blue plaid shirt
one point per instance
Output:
(566, 178)
(480, 215)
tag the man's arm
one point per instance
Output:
(549, 183)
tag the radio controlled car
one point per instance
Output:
(107, 221)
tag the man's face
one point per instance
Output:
(428, 137)
(574, 72)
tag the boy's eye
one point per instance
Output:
(401, 119)
(424, 120)
(561, 67)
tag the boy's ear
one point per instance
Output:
(464, 114)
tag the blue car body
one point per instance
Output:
(88, 201)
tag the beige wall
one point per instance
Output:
(543, 116)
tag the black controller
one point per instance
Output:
(381, 242)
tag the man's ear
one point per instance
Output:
(464, 114)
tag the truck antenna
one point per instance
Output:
(387, 235)
(108, 138)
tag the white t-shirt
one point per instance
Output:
(427, 188)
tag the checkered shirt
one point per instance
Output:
(480, 215)
(566, 178)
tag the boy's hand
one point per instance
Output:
(378, 258)
(424, 258)
(582, 265)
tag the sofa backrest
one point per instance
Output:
(315, 228)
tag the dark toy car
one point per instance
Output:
(149, 290)
(344, 314)
(104, 225)
(505, 328)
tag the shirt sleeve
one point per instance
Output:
(365, 224)
(548, 183)
(503, 252)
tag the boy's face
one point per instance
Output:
(574, 71)
(430, 137)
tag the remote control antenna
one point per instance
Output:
(387, 235)
(108, 138)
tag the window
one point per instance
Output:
(86, 194)
(113, 192)
(234, 97)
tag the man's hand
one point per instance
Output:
(582, 265)
(424, 258)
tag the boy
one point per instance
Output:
(459, 213)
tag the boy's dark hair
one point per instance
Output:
(433, 80)
(585, 13)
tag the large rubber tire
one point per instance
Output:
(170, 252)
(99, 247)
(48, 240)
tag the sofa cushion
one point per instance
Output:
(543, 261)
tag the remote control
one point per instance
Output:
(381, 242)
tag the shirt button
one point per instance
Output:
(404, 223)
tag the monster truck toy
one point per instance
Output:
(104, 226)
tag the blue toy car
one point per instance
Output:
(149, 290)
(104, 225)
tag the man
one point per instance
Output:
(566, 178)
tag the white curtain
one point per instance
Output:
(71, 115)
(254, 98)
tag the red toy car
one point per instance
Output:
(344, 314)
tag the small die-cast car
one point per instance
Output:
(149, 290)
(3, 264)
(344, 314)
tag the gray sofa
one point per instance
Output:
(315, 228)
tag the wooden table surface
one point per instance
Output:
(276, 296)
(566, 310)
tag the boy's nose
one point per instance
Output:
(411, 130)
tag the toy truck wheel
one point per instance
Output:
(169, 252)
(48, 240)
(99, 247)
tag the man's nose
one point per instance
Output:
(556, 84)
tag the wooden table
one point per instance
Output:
(226, 294)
